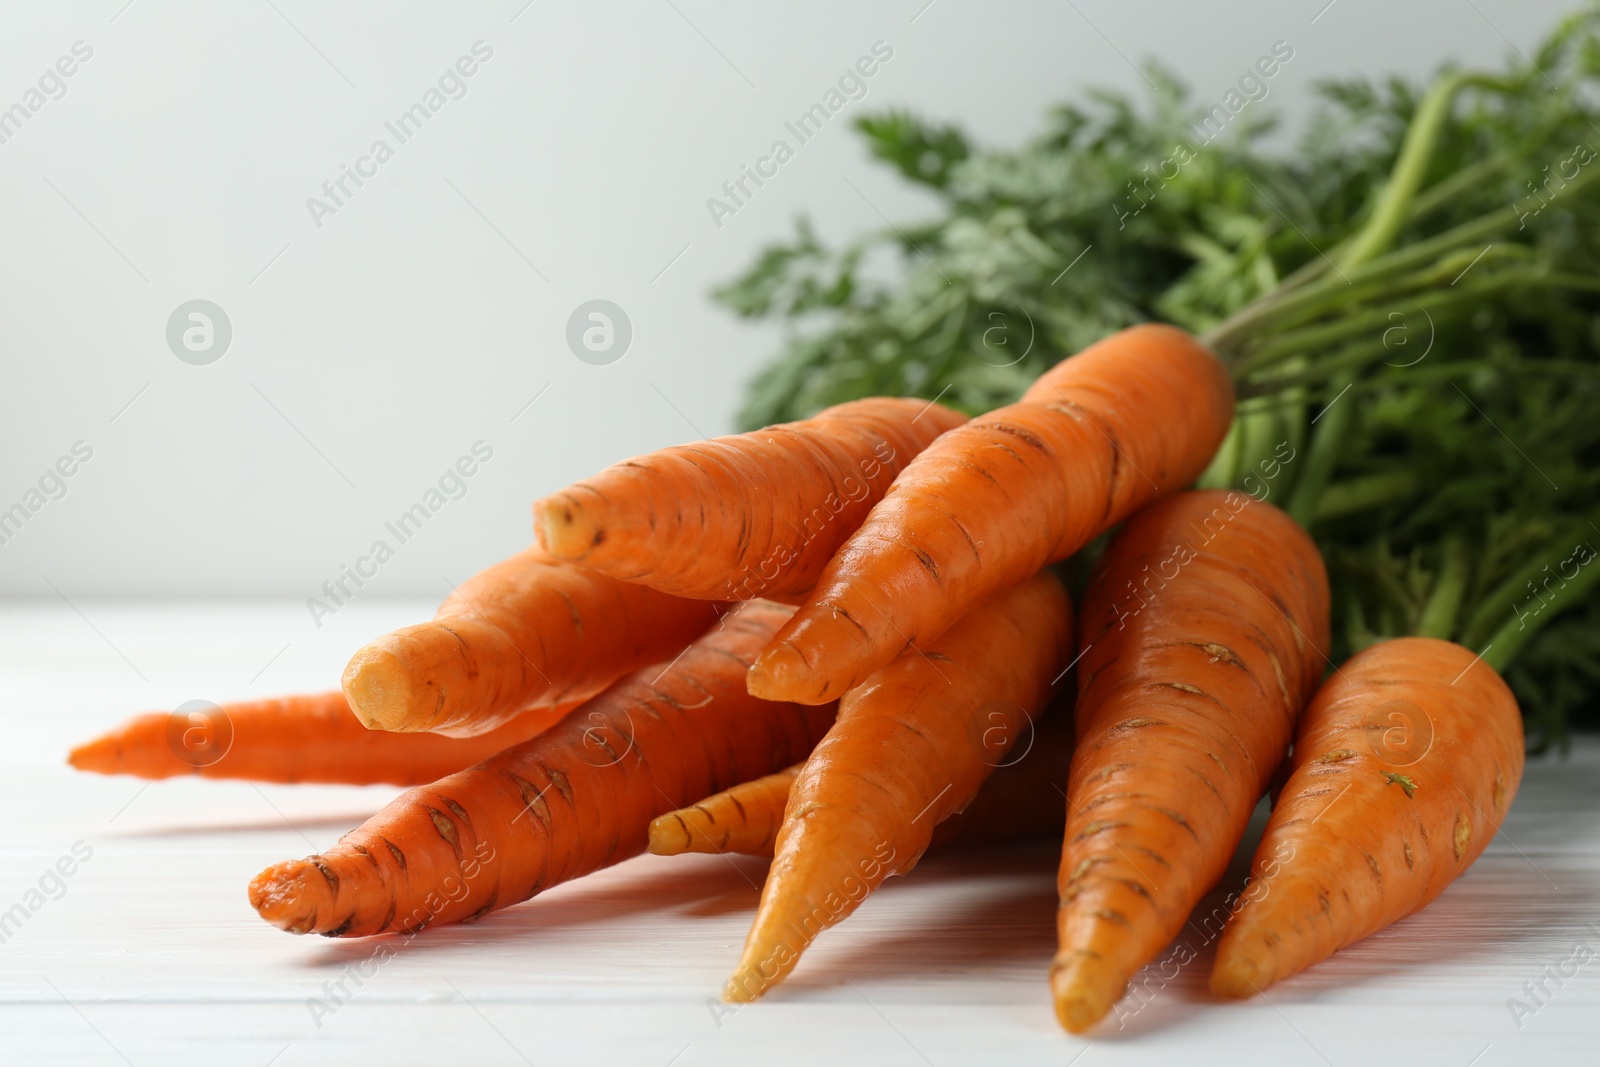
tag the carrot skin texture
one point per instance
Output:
(1018, 802)
(529, 631)
(1129, 419)
(743, 819)
(754, 514)
(912, 746)
(1202, 626)
(572, 800)
(1368, 830)
(311, 738)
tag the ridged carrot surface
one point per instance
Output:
(312, 738)
(1201, 632)
(1019, 801)
(578, 797)
(530, 631)
(751, 515)
(1404, 767)
(1125, 421)
(912, 746)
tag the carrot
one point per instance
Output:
(1202, 625)
(1104, 432)
(1404, 767)
(291, 739)
(912, 746)
(743, 818)
(1016, 803)
(578, 797)
(529, 631)
(756, 514)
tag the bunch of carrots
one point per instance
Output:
(843, 641)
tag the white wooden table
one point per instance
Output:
(152, 956)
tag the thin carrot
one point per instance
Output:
(1405, 765)
(527, 632)
(1121, 423)
(743, 819)
(576, 798)
(312, 738)
(912, 746)
(1019, 801)
(756, 514)
(1202, 626)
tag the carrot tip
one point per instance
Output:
(1238, 978)
(99, 755)
(562, 532)
(290, 895)
(379, 689)
(778, 673)
(744, 987)
(667, 837)
(1081, 999)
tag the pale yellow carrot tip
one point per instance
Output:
(1082, 997)
(669, 836)
(290, 894)
(776, 672)
(563, 531)
(379, 689)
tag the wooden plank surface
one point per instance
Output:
(148, 954)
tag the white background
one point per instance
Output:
(375, 350)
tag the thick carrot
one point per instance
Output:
(527, 632)
(756, 514)
(578, 797)
(1404, 767)
(1123, 422)
(912, 746)
(1202, 626)
(310, 738)
(1019, 801)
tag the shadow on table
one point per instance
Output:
(1493, 908)
(699, 886)
(1011, 921)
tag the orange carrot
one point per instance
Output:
(1125, 421)
(1404, 767)
(743, 819)
(1019, 801)
(311, 738)
(527, 632)
(1202, 626)
(912, 746)
(757, 514)
(578, 797)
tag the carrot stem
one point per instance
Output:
(1506, 642)
(1327, 441)
(1360, 494)
(1439, 614)
(1416, 152)
(1502, 600)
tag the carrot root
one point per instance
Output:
(1201, 631)
(1404, 767)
